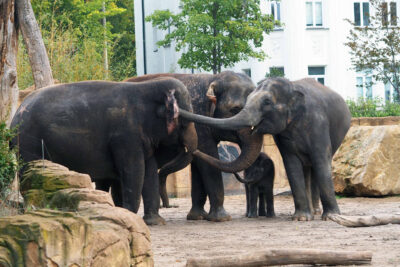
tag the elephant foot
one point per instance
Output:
(270, 214)
(302, 216)
(326, 214)
(153, 219)
(262, 213)
(196, 214)
(252, 215)
(317, 211)
(219, 215)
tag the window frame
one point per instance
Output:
(361, 13)
(313, 11)
(389, 19)
(367, 91)
(317, 77)
(276, 7)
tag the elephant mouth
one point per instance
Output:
(254, 129)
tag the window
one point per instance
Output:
(389, 14)
(276, 10)
(247, 72)
(276, 72)
(314, 14)
(387, 91)
(317, 73)
(364, 87)
(361, 13)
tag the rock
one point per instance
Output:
(42, 178)
(368, 161)
(56, 238)
(69, 199)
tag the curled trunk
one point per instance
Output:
(244, 181)
(251, 146)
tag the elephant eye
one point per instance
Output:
(267, 102)
(235, 110)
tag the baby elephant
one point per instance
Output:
(259, 184)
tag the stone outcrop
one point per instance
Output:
(82, 228)
(368, 161)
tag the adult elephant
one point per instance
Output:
(111, 131)
(308, 122)
(221, 96)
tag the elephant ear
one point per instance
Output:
(171, 110)
(211, 92)
(296, 106)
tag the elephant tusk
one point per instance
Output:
(186, 149)
(252, 128)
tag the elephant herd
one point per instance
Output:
(128, 136)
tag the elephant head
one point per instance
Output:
(268, 110)
(180, 131)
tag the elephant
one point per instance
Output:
(221, 96)
(308, 122)
(259, 185)
(112, 131)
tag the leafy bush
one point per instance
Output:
(373, 108)
(8, 161)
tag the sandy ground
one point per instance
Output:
(181, 239)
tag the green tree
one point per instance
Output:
(215, 33)
(375, 48)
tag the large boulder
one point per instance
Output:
(82, 228)
(368, 161)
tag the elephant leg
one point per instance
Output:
(163, 191)
(213, 185)
(198, 194)
(308, 182)
(129, 163)
(151, 194)
(253, 194)
(322, 170)
(261, 205)
(269, 199)
(315, 195)
(116, 192)
(103, 184)
(294, 170)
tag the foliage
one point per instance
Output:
(274, 72)
(375, 48)
(74, 36)
(373, 108)
(8, 160)
(214, 33)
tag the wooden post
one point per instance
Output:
(285, 257)
(363, 221)
(8, 61)
(38, 58)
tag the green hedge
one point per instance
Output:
(373, 108)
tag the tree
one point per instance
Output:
(375, 48)
(214, 33)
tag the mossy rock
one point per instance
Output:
(42, 179)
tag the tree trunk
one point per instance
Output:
(8, 61)
(273, 257)
(363, 221)
(38, 58)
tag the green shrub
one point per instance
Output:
(373, 108)
(8, 161)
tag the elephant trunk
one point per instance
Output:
(189, 139)
(241, 120)
(251, 147)
(245, 181)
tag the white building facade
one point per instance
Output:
(309, 44)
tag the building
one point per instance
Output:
(310, 44)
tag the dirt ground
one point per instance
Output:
(181, 239)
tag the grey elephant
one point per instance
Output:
(111, 131)
(259, 185)
(308, 122)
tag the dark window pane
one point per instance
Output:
(321, 80)
(273, 10)
(316, 70)
(357, 18)
(278, 11)
(384, 14)
(318, 13)
(393, 14)
(387, 92)
(365, 14)
(247, 72)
